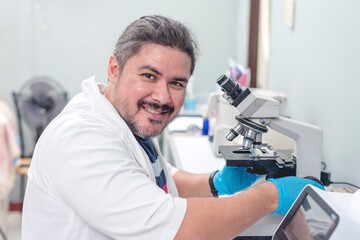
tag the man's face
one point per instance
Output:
(151, 89)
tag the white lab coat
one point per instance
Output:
(90, 179)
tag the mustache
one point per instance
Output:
(155, 105)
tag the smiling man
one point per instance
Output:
(150, 90)
(97, 172)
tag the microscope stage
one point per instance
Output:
(260, 161)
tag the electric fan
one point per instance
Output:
(38, 102)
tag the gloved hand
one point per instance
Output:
(289, 188)
(233, 179)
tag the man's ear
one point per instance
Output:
(113, 69)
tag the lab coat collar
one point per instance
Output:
(93, 91)
(105, 111)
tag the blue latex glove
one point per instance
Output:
(233, 179)
(289, 189)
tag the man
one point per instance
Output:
(97, 173)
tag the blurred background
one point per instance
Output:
(308, 50)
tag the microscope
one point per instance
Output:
(256, 114)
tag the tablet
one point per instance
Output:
(310, 217)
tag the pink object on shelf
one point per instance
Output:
(243, 79)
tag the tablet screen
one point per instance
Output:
(309, 218)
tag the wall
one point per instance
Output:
(317, 65)
(241, 29)
(72, 40)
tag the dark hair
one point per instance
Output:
(155, 29)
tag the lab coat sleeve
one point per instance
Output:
(105, 185)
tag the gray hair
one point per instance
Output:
(155, 29)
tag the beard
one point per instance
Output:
(140, 127)
(144, 132)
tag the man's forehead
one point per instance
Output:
(156, 51)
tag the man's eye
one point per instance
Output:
(149, 76)
(177, 84)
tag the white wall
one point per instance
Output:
(81, 34)
(317, 65)
(241, 28)
(72, 40)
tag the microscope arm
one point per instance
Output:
(308, 144)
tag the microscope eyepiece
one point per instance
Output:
(221, 79)
(225, 83)
(231, 88)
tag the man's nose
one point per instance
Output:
(161, 93)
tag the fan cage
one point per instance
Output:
(28, 134)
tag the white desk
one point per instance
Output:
(191, 152)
